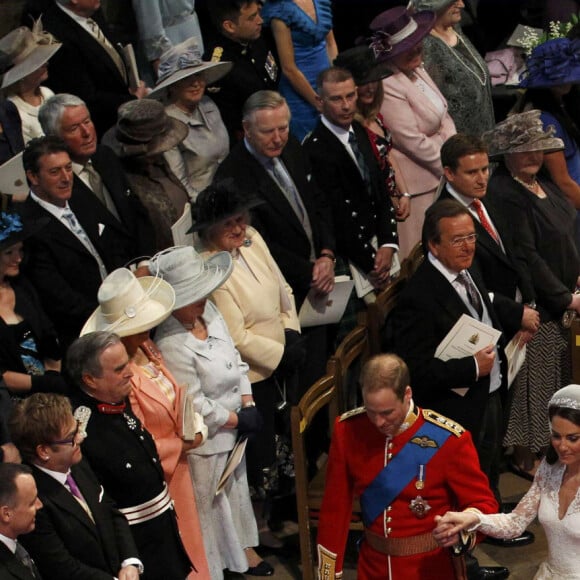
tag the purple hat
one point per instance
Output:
(552, 63)
(398, 30)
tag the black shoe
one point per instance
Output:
(262, 569)
(523, 540)
(495, 572)
(229, 575)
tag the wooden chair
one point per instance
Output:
(310, 490)
(378, 311)
(413, 260)
(348, 359)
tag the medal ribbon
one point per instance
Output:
(399, 472)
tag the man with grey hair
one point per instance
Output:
(269, 164)
(98, 171)
(122, 453)
(294, 222)
(88, 64)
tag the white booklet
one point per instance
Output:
(180, 228)
(320, 309)
(515, 352)
(467, 337)
(235, 458)
(128, 54)
(362, 284)
(13, 178)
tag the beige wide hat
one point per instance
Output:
(130, 305)
(23, 51)
(522, 133)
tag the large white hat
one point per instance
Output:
(130, 305)
(23, 51)
(192, 277)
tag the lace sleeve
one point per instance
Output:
(511, 525)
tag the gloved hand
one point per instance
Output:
(249, 421)
(294, 353)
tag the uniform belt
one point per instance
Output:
(408, 546)
(144, 512)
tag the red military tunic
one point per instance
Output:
(453, 480)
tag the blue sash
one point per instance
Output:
(397, 474)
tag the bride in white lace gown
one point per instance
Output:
(554, 497)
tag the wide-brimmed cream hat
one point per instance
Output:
(522, 133)
(130, 305)
(192, 277)
(23, 51)
(182, 61)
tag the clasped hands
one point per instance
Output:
(446, 532)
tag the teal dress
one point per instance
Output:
(309, 41)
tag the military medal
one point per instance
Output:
(271, 66)
(419, 507)
(420, 483)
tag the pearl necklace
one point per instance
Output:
(532, 186)
(463, 63)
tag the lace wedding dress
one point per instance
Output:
(563, 535)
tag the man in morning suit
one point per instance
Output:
(407, 465)
(71, 254)
(79, 533)
(471, 389)
(98, 171)
(239, 40)
(466, 168)
(294, 222)
(122, 453)
(345, 168)
(19, 505)
(88, 64)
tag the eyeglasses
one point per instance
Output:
(71, 440)
(469, 240)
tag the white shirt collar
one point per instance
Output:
(450, 275)
(8, 542)
(82, 20)
(58, 475)
(462, 199)
(54, 210)
(339, 132)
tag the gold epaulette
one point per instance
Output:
(443, 422)
(217, 53)
(352, 413)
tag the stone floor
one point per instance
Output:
(522, 562)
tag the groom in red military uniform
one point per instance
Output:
(407, 465)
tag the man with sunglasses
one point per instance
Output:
(79, 533)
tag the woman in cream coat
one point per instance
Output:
(258, 307)
(414, 110)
